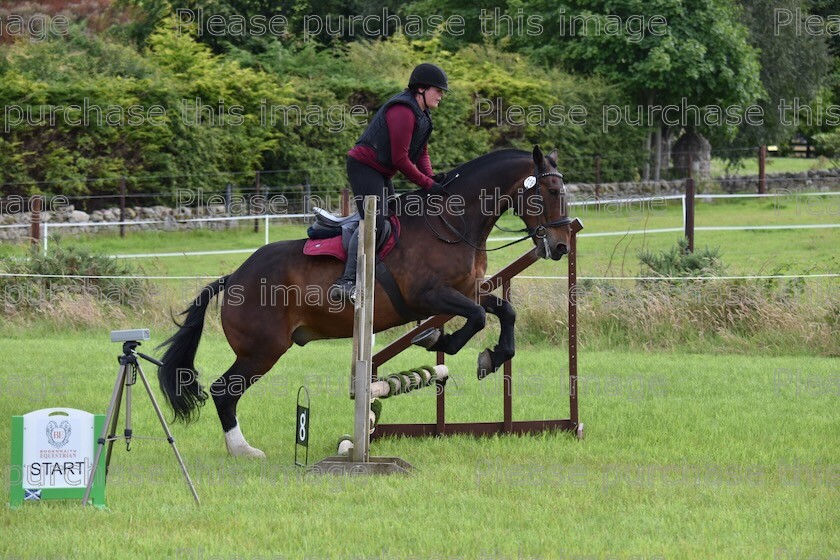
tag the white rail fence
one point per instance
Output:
(266, 220)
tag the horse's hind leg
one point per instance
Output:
(490, 360)
(226, 391)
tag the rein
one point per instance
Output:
(538, 232)
(462, 237)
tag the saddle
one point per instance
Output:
(330, 235)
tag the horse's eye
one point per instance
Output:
(554, 192)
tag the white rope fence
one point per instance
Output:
(267, 217)
(522, 277)
(671, 278)
(264, 217)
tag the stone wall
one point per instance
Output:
(587, 191)
(149, 218)
(170, 219)
(823, 180)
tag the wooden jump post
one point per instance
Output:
(364, 386)
(507, 425)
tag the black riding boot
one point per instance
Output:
(345, 286)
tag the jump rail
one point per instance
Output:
(508, 425)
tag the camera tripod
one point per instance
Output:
(126, 378)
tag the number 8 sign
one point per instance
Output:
(302, 427)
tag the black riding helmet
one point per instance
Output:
(428, 75)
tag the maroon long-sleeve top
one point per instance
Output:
(400, 120)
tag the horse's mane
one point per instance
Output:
(481, 164)
(481, 161)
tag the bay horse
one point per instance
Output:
(438, 264)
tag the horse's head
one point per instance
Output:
(543, 206)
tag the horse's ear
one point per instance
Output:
(552, 158)
(539, 160)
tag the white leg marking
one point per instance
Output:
(238, 446)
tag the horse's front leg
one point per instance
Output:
(490, 360)
(448, 301)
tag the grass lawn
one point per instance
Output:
(685, 456)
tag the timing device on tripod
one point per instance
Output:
(129, 371)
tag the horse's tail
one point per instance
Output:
(177, 376)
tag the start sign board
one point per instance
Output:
(53, 450)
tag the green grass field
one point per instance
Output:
(690, 451)
(685, 456)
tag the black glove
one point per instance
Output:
(436, 188)
(439, 178)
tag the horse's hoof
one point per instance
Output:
(485, 364)
(427, 338)
(238, 446)
(250, 452)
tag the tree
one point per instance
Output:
(681, 53)
(87, 111)
(826, 132)
(793, 67)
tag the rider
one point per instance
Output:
(395, 140)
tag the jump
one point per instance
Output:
(438, 264)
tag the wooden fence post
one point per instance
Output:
(762, 164)
(257, 196)
(35, 220)
(122, 207)
(598, 177)
(345, 202)
(689, 212)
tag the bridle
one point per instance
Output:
(537, 233)
(533, 182)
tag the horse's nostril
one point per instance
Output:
(562, 249)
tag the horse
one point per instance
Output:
(438, 264)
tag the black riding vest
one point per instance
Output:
(377, 137)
